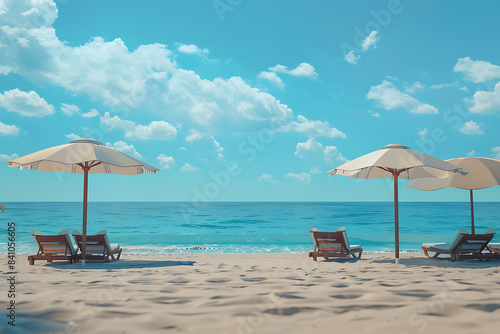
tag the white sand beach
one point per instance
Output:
(257, 293)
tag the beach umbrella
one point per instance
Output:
(481, 173)
(83, 156)
(395, 161)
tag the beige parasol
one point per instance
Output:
(482, 173)
(395, 161)
(83, 156)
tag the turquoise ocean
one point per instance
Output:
(235, 227)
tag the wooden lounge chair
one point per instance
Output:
(465, 246)
(98, 246)
(54, 247)
(333, 244)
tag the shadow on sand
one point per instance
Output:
(443, 262)
(119, 264)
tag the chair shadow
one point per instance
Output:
(443, 262)
(119, 264)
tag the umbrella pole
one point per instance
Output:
(84, 228)
(396, 217)
(473, 230)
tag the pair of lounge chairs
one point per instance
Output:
(333, 244)
(61, 247)
(465, 246)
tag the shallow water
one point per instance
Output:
(248, 227)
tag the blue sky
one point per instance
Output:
(246, 100)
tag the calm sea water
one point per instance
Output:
(248, 227)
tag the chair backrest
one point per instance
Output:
(330, 242)
(457, 239)
(53, 244)
(96, 244)
(473, 242)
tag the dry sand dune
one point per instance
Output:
(257, 293)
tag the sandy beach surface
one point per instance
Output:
(256, 293)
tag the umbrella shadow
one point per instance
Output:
(443, 262)
(119, 264)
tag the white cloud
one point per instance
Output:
(8, 130)
(155, 130)
(267, 178)
(422, 134)
(206, 144)
(91, 113)
(122, 146)
(271, 76)
(300, 178)
(312, 128)
(190, 49)
(4, 70)
(439, 86)
(389, 97)
(302, 70)
(414, 87)
(7, 158)
(25, 104)
(471, 153)
(351, 58)
(188, 168)
(370, 40)
(315, 170)
(477, 70)
(69, 109)
(496, 150)
(72, 136)
(146, 79)
(471, 128)
(312, 150)
(484, 102)
(374, 114)
(464, 89)
(165, 162)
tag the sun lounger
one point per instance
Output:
(98, 246)
(494, 247)
(54, 247)
(333, 244)
(464, 245)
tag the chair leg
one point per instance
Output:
(31, 260)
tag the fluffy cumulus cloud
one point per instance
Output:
(370, 41)
(389, 98)
(422, 134)
(190, 49)
(414, 87)
(374, 114)
(207, 145)
(471, 153)
(155, 130)
(144, 79)
(485, 102)
(477, 70)
(471, 128)
(267, 178)
(7, 158)
(91, 113)
(271, 76)
(73, 136)
(28, 104)
(299, 178)
(69, 109)
(122, 146)
(351, 57)
(312, 150)
(165, 161)
(312, 128)
(188, 168)
(496, 152)
(302, 70)
(8, 130)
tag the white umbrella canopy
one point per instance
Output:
(482, 173)
(83, 156)
(396, 161)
